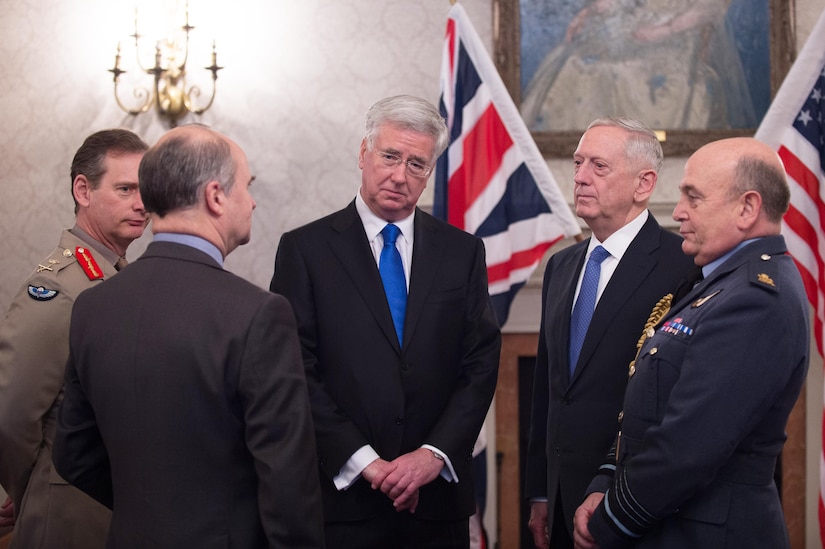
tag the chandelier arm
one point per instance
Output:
(142, 94)
(169, 95)
(195, 92)
(140, 65)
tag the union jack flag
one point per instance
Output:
(795, 127)
(492, 180)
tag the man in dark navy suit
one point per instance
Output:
(575, 405)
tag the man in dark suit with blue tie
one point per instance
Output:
(615, 277)
(400, 344)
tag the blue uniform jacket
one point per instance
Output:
(705, 412)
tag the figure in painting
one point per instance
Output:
(671, 63)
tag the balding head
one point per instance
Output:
(196, 181)
(174, 170)
(759, 169)
(733, 190)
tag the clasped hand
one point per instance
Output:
(7, 513)
(401, 478)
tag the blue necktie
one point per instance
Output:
(585, 304)
(392, 275)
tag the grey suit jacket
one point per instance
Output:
(364, 387)
(574, 420)
(186, 409)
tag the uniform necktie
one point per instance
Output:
(585, 304)
(392, 275)
(121, 263)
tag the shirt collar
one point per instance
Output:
(713, 265)
(193, 242)
(373, 225)
(107, 254)
(617, 243)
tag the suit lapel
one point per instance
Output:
(351, 247)
(628, 277)
(567, 274)
(427, 255)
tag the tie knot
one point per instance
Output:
(598, 255)
(390, 233)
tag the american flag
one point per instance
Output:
(795, 127)
(492, 180)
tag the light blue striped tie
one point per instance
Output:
(392, 275)
(585, 304)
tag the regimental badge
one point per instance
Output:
(88, 264)
(39, 293)
(765, 279)
(49, 267)
(702, 300)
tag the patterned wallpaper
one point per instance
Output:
(299, 76)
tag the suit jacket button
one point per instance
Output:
(399, 420)
(405, 366)
(567, 400)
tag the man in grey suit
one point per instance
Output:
(716, 378)
(575, 405)
(397, 399)
(186, 408)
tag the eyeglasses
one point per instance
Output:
(413, 167)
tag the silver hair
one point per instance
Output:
(407, 113)
(642, 147)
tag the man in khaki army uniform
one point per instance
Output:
(34, 344)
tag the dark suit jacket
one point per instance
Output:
(705, 412)
(186, 409)
(364, 388)
(574, 421)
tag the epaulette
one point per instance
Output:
(765, 273)
(87, 262)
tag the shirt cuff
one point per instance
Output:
(447, 472)
(355, 465)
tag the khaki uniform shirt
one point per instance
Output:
(34, 346)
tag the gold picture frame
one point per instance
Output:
(676, 142)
